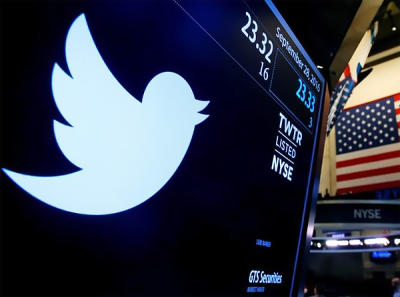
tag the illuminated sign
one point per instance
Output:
(381, 213)
(110, 122)
(383, 257)
(381, 254)
(142, 145)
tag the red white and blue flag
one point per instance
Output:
(368, 146)
(350, 77)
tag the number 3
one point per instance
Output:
(312, 104)
(310, 125)
(252, 39)
(303, 93)
(264, 42)
(308, 104)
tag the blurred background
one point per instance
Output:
(356, 239)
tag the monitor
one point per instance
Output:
(156, 148)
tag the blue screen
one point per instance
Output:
(154, 148)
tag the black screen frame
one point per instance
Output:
(309, 207)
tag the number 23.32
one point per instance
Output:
(253, 37)
(262, 49)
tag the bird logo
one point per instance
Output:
(126, 150)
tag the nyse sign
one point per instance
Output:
(367, 214)
(358, 211)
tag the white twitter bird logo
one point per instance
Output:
(127, 150)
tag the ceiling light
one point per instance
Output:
(332, 243)
(355, 242)
(384, 241)
(393, 26)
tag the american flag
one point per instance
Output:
(350, 77)
(339, 97)
(368, 146)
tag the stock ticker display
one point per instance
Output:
(155, 148)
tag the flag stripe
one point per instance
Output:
(372, 101)
(370, 180)
(368, 166)
(366, 188)
(367, 159)
(347, 71)
(369, 173)
(369, 152)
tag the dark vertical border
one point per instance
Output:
(306, 234)
(307, 224)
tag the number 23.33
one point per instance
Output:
(309, 102)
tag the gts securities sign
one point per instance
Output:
(165, 139)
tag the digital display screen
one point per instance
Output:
(383, 257)
(155, 148)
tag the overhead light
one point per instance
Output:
(384, 241)
(355, 242)
(393, 26)
(320, 67)
(332, 243)
(318, 245)
(343, 242)
(397, 241)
